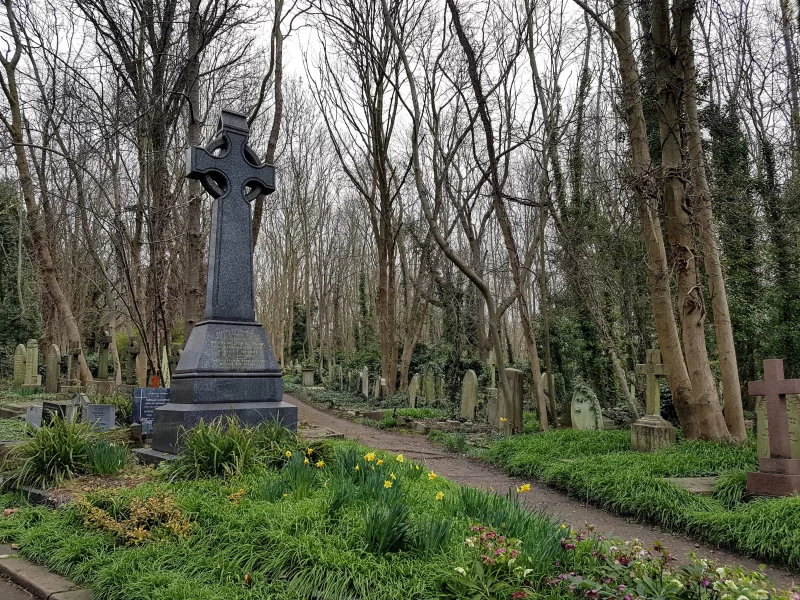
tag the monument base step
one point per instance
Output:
(651, 433)
(702, 486)
(172, 418)
(148, 456)
(773, 484)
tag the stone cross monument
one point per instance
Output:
(778, 475)
(652, 432)
(227, 366)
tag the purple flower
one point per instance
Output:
(592, 594)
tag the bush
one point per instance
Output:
(106, 458)
(51, 455)
(455, 442)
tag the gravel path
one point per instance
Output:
(476, 473)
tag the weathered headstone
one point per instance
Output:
(57, 410)
(509, 409)
(99, 416)
(376, 388)
(491, 407)
(33, 416)
(73, 369)
(413, 390)
(32, 377)
(228, 367)
(365, 382)
(20, 357)
(53, 370)
(308, 376)
(440, 388)
(428, 387)
(130, 371)
(779, 473)
(652, 432)
(384, 389)
(469, 395)
(585, 408)
(146, 401)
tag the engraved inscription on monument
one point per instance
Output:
(238, 351)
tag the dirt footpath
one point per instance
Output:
(476, 473)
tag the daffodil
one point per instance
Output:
(440, 496)
(288, 454)
(380, 462)
(392, 476)
(369, 457)
(525, 487)
(305, 461)
(357, 469)
(399, 458)
(320, 464)
(431, 475)
(563, 526)
(387, 484)
(310, 451)
(503, 420)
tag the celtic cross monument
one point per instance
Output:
(227, 366)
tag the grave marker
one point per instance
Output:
(652, 432)
(365, 382)
(585, 409)
(105, 350)
(778, 474)
(413, 390)
(33, 416)
(376, 388)
(428, 387)
(146, 401)
(469, 395)
(509, 409)
(20, 357)
(308, 376)
(130, 371)
(57, 410)
(99, 416)
(32, 377)
(228, 367)
(53, 371)
(73, 370)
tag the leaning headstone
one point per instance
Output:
(413, 390)
(585, 408)
(99, 416)
(228, 367)
(53, 370)
(469, 395)
(779, 473)
(57, 410)
(19, 367)
(308, 376)
(376, 388)
(428, 387)
(146, 401)
(652, 432)
(509, 409)
(32, 377)
(33, 416)
(365, 382)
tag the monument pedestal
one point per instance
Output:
(651, 433)
(775, 477)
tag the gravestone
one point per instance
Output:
(762, 426)
(99, 416)
(57, 410)
(165, 374)
(73, 370)
(130, 371)
(146, 401)
(33, 416)
(428, 387)
(779, 473)
(652, 432)
(227, 367)
(491, 407)
(20, 357)
(376, 388)
(469, 395)
(365, 382)
(585, 409)
(53, 370)
(298, 368)
(32, 377)
(105, 351)
(384, 390)
(509, 409)
(413, 390)
(440, 388)
(308, 376)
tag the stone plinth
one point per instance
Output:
(308, 377)
(651, 433)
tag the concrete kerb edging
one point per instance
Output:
(37, 579)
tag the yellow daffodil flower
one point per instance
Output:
(379, 463)
(310, 451)
(392, 476)
(431, 475)
(525, 487)
(320, 464)
(387, 484)
(357, 468)
(305, 461)
(503, 420)
(288, 454)
(399, 458)
(440, 496)
(369, 457)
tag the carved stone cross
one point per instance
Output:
(230, 171)
(653, 369)
(774, 388)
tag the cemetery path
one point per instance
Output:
(476, 473)
(9, 591)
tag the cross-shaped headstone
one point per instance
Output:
(774, 388)
(232, 174)
(653, 369)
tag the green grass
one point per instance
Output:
(600, 468)
(12, 429)
(345, 534)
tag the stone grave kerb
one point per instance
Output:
(227, 367)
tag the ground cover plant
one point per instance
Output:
(12, 429)
(599, 467)
(329, 521)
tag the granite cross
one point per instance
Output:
(232, 174)
(653, 369)
(774, 388)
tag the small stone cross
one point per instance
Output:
(231, 172)
(653, 369)
(774, 388)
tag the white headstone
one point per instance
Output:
(585, 409)
(99, 416)
(413, 390)
(33, 416)
(365, 382)
(469, 395)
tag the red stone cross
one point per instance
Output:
(774, 388)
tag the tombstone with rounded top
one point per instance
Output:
(469, 395)
(585, 408)
(413, 391)
(53, 370)
(20, 357)
(32, 377)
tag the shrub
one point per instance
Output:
(455, 442)
(106, 458)
(51, 455)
